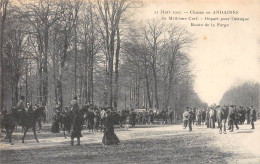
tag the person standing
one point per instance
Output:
(91, 119)
(55, 128)
(76, 125)
(171, 115)
(190, 119)
(102, 116)
(252, 117)
(237, 116)
(133, 118)
(110, 137)
(231, 117)
(97, 118)
(212, 117)
(247, 115)
(186, 117)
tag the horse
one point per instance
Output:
(7, 125)
(12, 119)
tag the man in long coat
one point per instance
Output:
(76, 126)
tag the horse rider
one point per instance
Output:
(20, 108)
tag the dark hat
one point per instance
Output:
(22, 97)
(75, 98)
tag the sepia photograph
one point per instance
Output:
(130, 81)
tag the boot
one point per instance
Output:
(72, 142)
(78, 140)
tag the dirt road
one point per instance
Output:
(144, 144)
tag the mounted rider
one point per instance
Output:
(19, 110)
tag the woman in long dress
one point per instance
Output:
(110, 137)
(55, 124)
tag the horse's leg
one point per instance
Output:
(40, 125)
(34, 132)
(25, 131)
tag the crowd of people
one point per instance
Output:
(223, 116)
(72, 118)
(96, 119)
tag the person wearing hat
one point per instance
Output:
(252, 117)
(76, 125)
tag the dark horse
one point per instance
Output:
(29, 121)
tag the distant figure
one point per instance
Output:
(212, 117)
(133, 118)
(97, 118)
(102, 116)
(247, 115)
(185, 117)
(190, 119)
(76, 125)
(110, 137)
(252, 117)
(91, 117)
(171, 115)
(231, 118)
(237, 116)
(55, 128)
(222, 118)
(207, 118)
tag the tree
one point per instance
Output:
(42, 15)
(242, 94)
(110, 13)
(3, 11)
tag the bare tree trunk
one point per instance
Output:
(3, 9)
(148, 90)
(155, 87)
(116, 68)
(75, 61)
(40, 97)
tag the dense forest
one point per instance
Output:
(97, 50)
(244, 94)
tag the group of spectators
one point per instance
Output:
(220, 115)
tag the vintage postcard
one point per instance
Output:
(130, 81)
